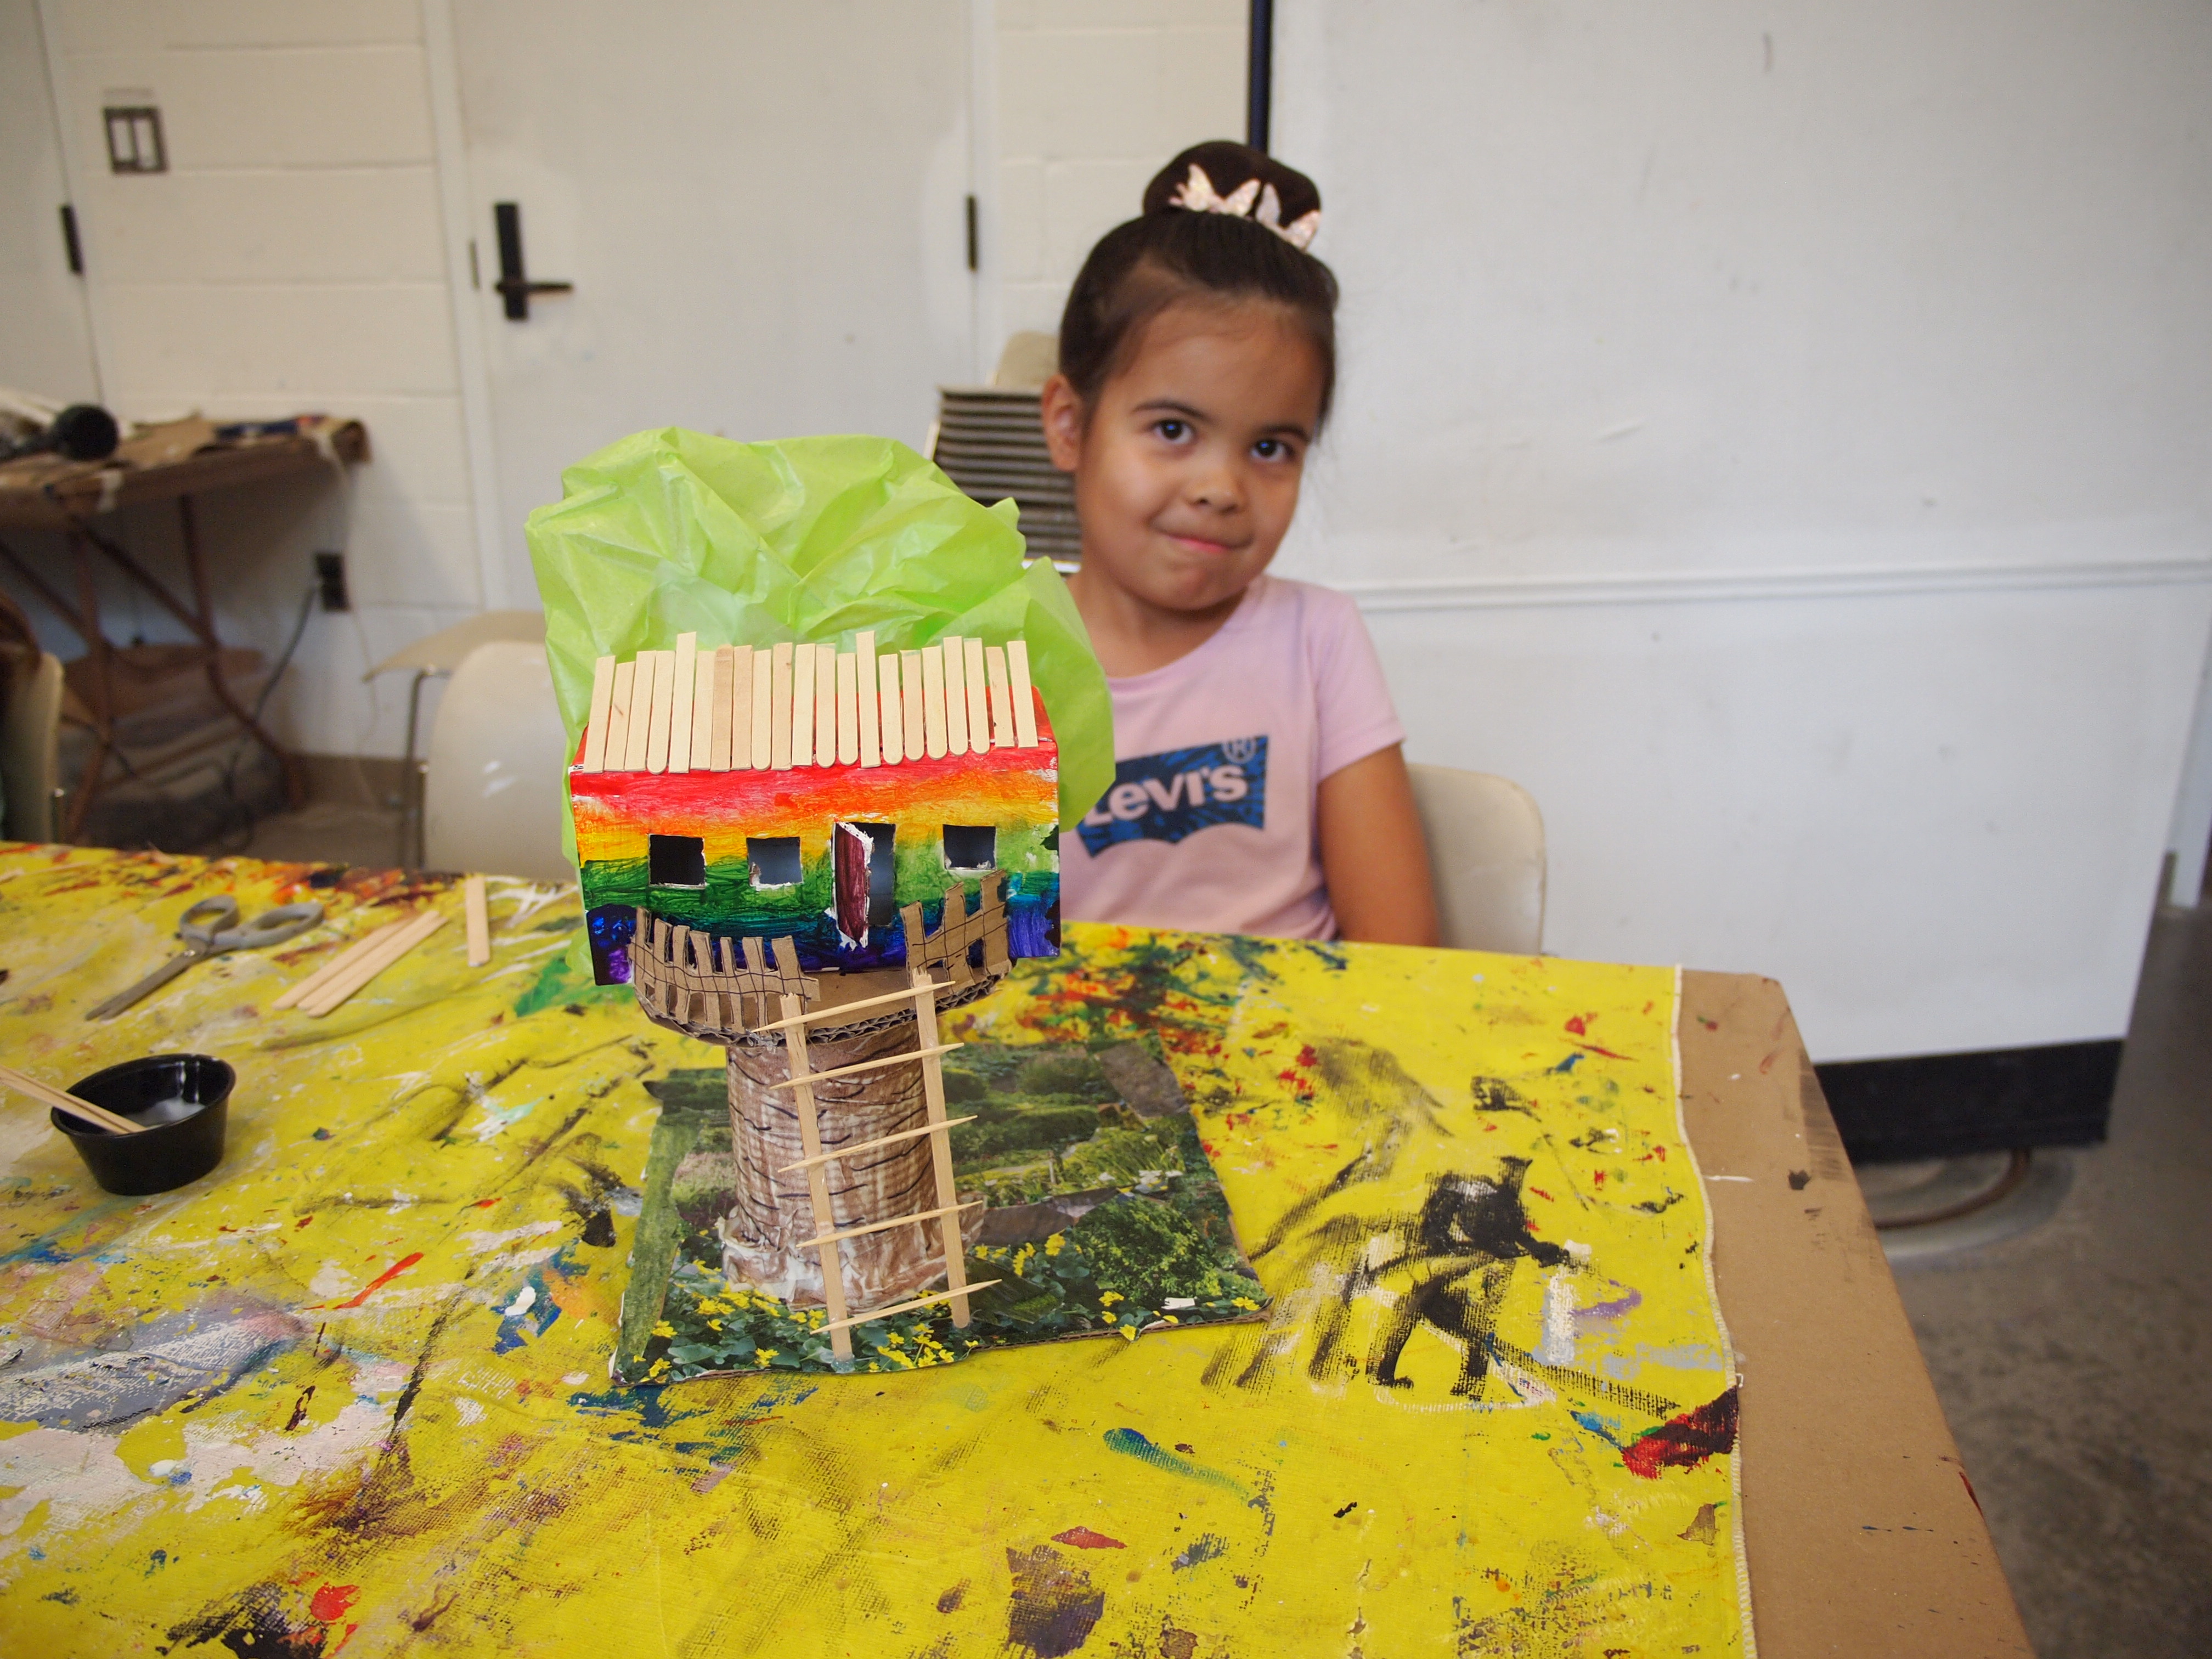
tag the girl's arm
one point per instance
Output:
(1373, 855)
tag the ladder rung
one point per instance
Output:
(818, 1015)
(895, 1221)
(869, 1146)
(907, 1307)
(865, 1065)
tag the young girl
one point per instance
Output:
(1259, 786)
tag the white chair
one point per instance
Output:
(435, 657)
(30, 748)
(1487, 851)
(491, 790)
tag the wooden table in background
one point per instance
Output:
(174, 462)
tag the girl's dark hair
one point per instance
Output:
(1176, 252)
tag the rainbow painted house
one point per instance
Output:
(797, 790)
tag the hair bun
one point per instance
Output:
(1221, 176)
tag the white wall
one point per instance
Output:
(45, 347)
(1094, 97)
(291, 259)
(1781, 436)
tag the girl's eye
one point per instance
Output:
(1174, 431)
(1274, 449)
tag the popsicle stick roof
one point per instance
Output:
(800, 703)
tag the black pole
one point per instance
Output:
(1259, 74)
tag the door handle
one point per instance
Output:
(514, 285)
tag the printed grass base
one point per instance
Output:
(1102, 1218)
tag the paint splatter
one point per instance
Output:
(1053, 1608)
(1207, 1547)
(331, 1602)
(1686, 1441)
(1083, 1538)
(1130, 1444)
(1702, 1530)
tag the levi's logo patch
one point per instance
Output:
(1167, 796)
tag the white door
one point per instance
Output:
(46, 344)
(762, 207)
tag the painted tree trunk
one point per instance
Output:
(764, 1236)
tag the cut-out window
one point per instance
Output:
(883, 873)
(971, 845)
(774, 860)
(676, 861)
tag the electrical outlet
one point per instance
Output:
(329, 574)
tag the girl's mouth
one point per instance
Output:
(1199, 544)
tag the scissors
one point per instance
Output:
(208, 930)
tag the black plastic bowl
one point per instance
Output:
(187, 1100)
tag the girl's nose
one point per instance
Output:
(1216, 486)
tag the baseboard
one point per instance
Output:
(1946, 1105)
(372, 781)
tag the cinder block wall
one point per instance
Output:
(291, 259)
(1094, 97)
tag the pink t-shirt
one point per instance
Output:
(1218, 761)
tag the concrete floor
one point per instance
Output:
(2074, 1362)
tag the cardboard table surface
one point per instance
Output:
(361, 1366)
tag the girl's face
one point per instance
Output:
(1187, 470)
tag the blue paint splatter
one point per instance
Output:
(1207, 1547)
(1568, 1064)
(1598, 1426)
(1130, 1444)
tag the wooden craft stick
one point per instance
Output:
(879, 1141)
(818, 1183)
(802, 705)
(838, 1013)
(949, 1237)
(719, 673)
(825, 704)
(330, 971)
(916, 1219)
(1002, 698)
(640, 713)
(956, 698)
(1018, 666)
(978, 698)
(848, 709)
(877, 1064)
(702, 711)
(836, 1326)
(864, 681)
(617, 758)
(62, 1101)
(664, 711)
(479, 919)
(738, 741)
(932, 702)
(386, 952)
(914, 702)
(686, 672)
(892, 726)
(779, 725)
(595, 723)
(764, 708)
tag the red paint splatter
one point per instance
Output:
(1592, 1048)
(1767, 1064)
(483, 1204)
(343, 1640)
(1969, 1485)
(1083, 1538)
(1579, 1024)
(332, 1601)
(1307, 1057)
(301, 1222)
(1599, 1176)
(1541, 1193)
(380, 1280)
(1687, 1441)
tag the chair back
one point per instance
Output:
(1487, 852)
(491, 795)
(30, 751)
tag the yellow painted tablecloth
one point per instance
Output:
(348, 1393)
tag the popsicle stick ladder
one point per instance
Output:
(715, 987)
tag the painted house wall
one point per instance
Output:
(1781, 438)
(1014, 791)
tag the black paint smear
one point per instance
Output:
(1798, 1178)
(252, 1624)
(1347, 1508)
(300, 1408)
(599, 1228)
(950, 1600)
(376, 1503)
(1494, 1094)
(1659, 1206)
(1053, 1608)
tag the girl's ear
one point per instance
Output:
(1060, 412)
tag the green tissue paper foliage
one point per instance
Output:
(672, 531)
